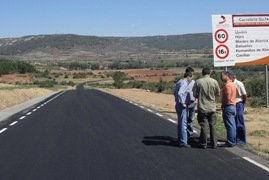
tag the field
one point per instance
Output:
(10, 95)
(16, 78)
(257, 120)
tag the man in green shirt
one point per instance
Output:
(206, 89)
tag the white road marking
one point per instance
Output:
(22, 117)
(142, 107)
(135, 104)
(158, 114)
(52, 99)
(29, 113)
(149, 110)
(3, 130)
(12, 124)
(34, 110)
(38, 107)
(256, 163)
(171, 120)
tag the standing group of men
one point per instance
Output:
(203, 93)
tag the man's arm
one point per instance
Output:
(182, 93)
(244, 93)
(195, 90)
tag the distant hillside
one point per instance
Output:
(70, 46)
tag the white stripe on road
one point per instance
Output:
(149, 110)
(22, 117)
(29, 113)
(256, 163)
(3, 130)
(142, 107)
(158, 114)
(135, 104)
(12, 124)
(34, 110)
(171, 120)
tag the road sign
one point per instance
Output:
(221, 36)
(222, 51)
(240, 39)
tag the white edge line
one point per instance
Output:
(149, 110)
(171, 120)
(34, 110)
(135, 104)
(142, 107)
(12, 124)
(158, 114)
(29, 113)
(3, 130)
(256, 163)
(22, 117)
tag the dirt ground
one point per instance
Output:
(257, 120)
(10, 97)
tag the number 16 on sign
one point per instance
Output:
(222, 51)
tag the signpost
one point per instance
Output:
(241, 40)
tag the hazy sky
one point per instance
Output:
(117, 17)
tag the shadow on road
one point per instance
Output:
(168, 141)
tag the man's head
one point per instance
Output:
(188, 76)
(231, 75)
(225, 76)
(205, 71)
(189, 69)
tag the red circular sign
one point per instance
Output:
(222, 51)
(221, 36)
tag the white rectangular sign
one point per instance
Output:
(240, 39)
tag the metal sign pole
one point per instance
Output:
(266, 85)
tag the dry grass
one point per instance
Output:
(15, 96)
(16, 78)
(257, 120)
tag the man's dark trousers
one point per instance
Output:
(210, 119)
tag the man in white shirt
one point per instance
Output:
(241, 98)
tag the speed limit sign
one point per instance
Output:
(221, 36)
(222, 51)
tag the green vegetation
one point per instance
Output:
(259, 133)
(8, 67)
(46, 83)
(118, 78)
(79, 66)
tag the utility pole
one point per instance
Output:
(266, 85)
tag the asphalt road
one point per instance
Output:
(86, 134)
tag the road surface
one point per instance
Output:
(86, 134)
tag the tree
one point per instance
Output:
(118, 78)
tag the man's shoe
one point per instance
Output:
(184, 146)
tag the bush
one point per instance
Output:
(255, 87)
(9, 66)
(46, 84)
(118, 78)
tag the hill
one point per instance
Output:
(69, 46)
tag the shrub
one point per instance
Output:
(118, 78)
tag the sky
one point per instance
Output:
(117, 17)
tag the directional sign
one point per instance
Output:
(240, 39)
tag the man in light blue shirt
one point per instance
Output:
(184, 98)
